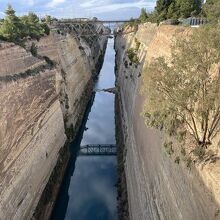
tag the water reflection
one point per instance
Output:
(107, 77)
(88, 191)
(101, 121)
(91, 189)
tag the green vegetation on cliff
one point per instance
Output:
(132, 53)
(18, 29)
(183, 94)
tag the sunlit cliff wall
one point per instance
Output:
(157, 187)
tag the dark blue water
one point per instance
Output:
(88, 191)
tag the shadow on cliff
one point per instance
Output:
(61, 205)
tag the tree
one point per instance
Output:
(188, 8)
(172, 11)
(32, 27)
(211, 9)
(143, 16)
(10, 28)
(183, 95)
(162, 7)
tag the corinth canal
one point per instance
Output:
(89, 188)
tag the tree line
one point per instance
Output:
(174, 9)
(177, 9)
(18, 29)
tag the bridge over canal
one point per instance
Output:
(86, 27)
(98, 150)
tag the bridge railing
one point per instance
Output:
(194, 21)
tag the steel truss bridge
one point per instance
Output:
(86, 28)
(98, 150)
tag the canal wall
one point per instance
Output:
(43, 100)
(157, 187)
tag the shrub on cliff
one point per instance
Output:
(132, 55)
(33, 49)
(184, 94)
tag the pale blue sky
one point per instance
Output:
(103, 9)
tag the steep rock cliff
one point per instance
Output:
(42, 100)
(157, 187)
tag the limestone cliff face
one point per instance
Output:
(41, 104)
(157, 187)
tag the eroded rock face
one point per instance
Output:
(15, 59)
(41, 108)
(157, 187)
(32, 132)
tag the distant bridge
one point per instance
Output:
(88, 28)
(98, 150)
(84, 20)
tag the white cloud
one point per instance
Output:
(102, 6)
(54, 3)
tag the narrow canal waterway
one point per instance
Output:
(88, 191)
